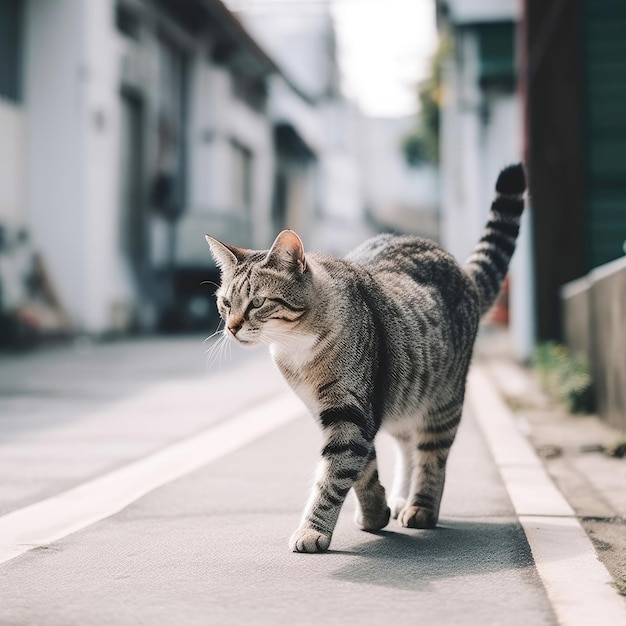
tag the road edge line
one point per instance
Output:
(49, 520)
(579, 586)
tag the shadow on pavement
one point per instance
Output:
(456, 548)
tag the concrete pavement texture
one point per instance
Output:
(70, 413)
(211, 546)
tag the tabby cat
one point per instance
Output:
(380, 339)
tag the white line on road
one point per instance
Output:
(49, 520)
(578, 585)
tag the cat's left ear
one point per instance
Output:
(288, 249)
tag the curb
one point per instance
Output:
(577, 583)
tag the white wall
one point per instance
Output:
(12, 164)
(254, 131)
(204, 180)
(462, 193)
(72, 99)
(398, 195)
(109, 285)
(71, 128)
(481, 132)
(217, 119)
(54, 96)
(503, 146)
(342, 196)
(288, 106)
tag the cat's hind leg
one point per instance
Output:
(434, 438)
(372, 510)
(405, 462)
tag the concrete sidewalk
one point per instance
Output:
(572, 450)
(210, 547)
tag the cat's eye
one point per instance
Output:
(226, 303)
(257, 302)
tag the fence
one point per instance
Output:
(594, 310)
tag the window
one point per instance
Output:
(172, 127)
(251, 90)
(497, 54)
(11, 13)
(127, 22)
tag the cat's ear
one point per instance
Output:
(225, 256)
(288, 251)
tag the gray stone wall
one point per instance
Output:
(594, 320)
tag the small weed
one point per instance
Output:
(620, 585)
(564, 377)
(618, 449)
(518, 404)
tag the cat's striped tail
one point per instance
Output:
(489, 262)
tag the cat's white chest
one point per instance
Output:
(293, 356)
(294, 352)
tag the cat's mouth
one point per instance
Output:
(243, 342)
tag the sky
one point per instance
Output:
(383, 47)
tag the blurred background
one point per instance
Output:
(130, 128)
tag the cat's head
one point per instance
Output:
(264, 295)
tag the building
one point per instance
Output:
(324, 192)
(482, 131)
(129, 129)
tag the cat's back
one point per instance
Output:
(389, 247)
(405, 260)
(422, 259)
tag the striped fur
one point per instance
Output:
(380, 339)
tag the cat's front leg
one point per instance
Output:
(347, 450)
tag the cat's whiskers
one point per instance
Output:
(217, 341)
(217, 332)
(216, 350)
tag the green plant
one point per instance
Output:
(421, 145)
(577, 387)
(620, 585)
(415, 149)
(618, 449)
(564, 377)
(548, 361)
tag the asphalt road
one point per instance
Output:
(211, 547)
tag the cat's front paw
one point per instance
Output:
(417, 517)
(309, 540)
(373, 520)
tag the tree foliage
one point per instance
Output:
(422, 144)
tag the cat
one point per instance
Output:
(380, 339)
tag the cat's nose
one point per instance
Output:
(235, 326)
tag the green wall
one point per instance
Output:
(604, 128)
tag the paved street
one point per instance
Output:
(68, 414)
(211, 547)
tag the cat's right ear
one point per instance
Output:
(225, 256)
(288, 251)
